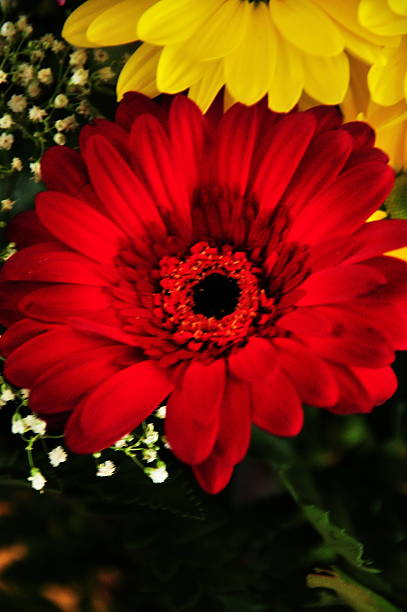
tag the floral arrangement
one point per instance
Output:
(203, 299)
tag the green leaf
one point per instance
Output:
(396, 203)
(350, 592)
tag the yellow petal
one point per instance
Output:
(139, 72)
(176, 71)
(204, 91)
(378, 215)
(287, 81)
(306, 27)
(75, 27)
(375, 15)
(326, 78)
(360, 48)
(172, 21)
(393, 140)
(399, 253)
(118, 25)
(398, 6)
(386, 79)
(357, 96)
(248, 69)
(345, 13)
(222, 32)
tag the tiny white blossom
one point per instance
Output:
(24, 393)
(165, 442)
(33, 89)
(61, 101)
(157, 474)
(47, 40)
(25, 73)
(17, 425)
(78, 57)
(35, 168)
(106, 468)
(6, 121)
(7, 395)
(22, 22)
(37, 54)
(79, 76)
(45, 76)
(17, 103)
(36, 425)
(8, 251)
(37, 479)
(3, 77)
(36, 113)
(16, 164)
(57, 455)
(58, 46)
(84, 108)
(59, 138)
(122, 442)
(100, 55)
(6, 141)
(161, 412)
(149, 455)
(150, 435)
(7, 29)
(7, 204)
(106, 73)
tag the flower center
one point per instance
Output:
(216, 295)
(210, 298)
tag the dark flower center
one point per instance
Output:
(216, 296)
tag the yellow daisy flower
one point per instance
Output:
(254, 47)
(389, 122)
(388, 76)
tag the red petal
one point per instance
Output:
(276, 405)
(192, 421)
(340, 284)
(112, 132)
(305, 321)
(11, 294)
(291, 137)
(380, 384)
(124, 197)
(79, 226)
(25, 229)
(188, 129)
(344, 204)
(117, 407)
(62, 169)
(353, 395)
(33, 358)
(51, 262)
(20, 332)
(213, 474)
(152, 159)
(321, 164)
(256, 359)
(388, 318)
(327, 117)
(64, 384)
(59, 302)
(378, 237)
(363, 135)
(395, 272)
(309, 374)
(134, 104)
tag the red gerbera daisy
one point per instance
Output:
(219, 264)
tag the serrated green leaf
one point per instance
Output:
(350, 592)
(396, 203)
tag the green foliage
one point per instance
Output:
(396, 203)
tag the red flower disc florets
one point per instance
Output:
(220, 264)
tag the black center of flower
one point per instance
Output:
(216, 296)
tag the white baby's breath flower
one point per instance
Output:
(3, 77)
(150, 435)
(79, 76)
(59, 139)
(25, 73)
(22, 22)
(6, 141)
(6, 121)
(78, 57)
(16, 164)
(161, 412)
(149, 455)
(45, 76)
(35, 168)
(7, 204)
(7, 29)
(158, 474)
(100, 55)
(106, 468)
(17, 425)
(17, 103)
(24, 394)
(57, 46)
(37, 479)
(106, 73)
(36, 113)
(33, 89)
(61, 101)
(57, 455)
(37, 425)
(7, 395)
